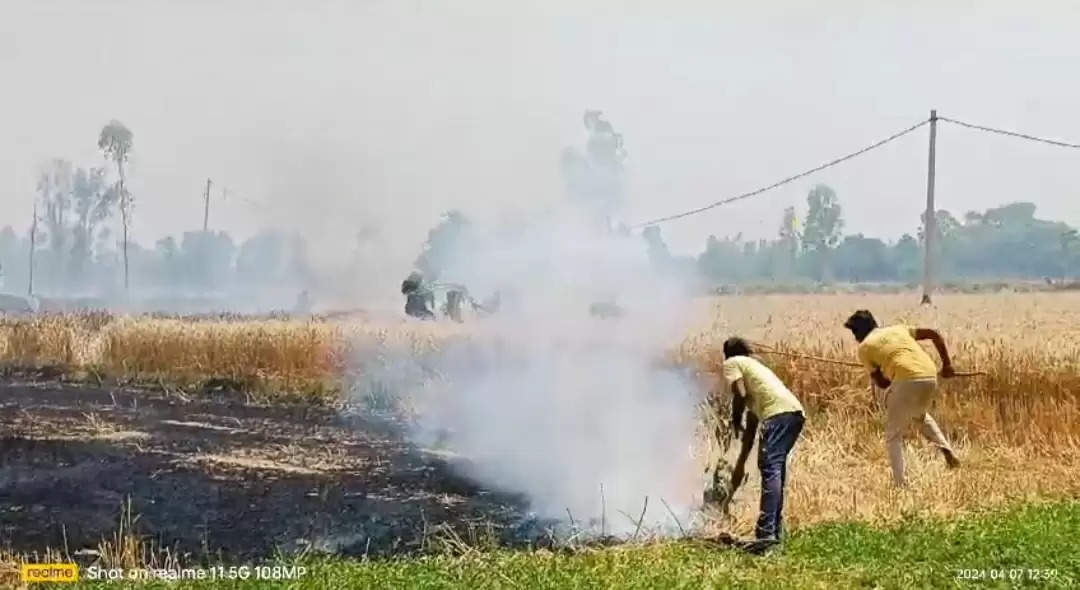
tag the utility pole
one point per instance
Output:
(33, 246)
(206, 207)
(930, 223)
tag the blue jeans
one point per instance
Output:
(778, 436)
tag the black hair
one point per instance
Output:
(411, 283)
(736, 346)
(861, 323)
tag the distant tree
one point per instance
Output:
(261, 256)
(945, 222)
(443, 245)
(822, 231)
(93, 204)
(1008, 242)
(787, 253)
(55, 194)
(116, 142)
(169, 264)
(1013, 214)
(824, 218)
(659, 255)
(724, 260)
(906, 258)
(207, 258)
(859, 258)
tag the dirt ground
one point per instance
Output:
(220, 478)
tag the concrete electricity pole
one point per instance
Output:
(930, 223)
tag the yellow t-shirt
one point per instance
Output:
(895, 351)
(768, 396)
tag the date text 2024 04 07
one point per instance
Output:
(1012, 574)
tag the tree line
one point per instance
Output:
(1006, 242)
(77, 253)
(70, 247)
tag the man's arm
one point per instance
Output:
(738, 474)
(939, 344)
(738, 405)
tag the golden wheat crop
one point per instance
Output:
(1017, 427)
(275, 358)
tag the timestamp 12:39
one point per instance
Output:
(1014, 574)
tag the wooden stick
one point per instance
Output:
(812, 358)
(672, 512)
(844, 363)
(640, 519)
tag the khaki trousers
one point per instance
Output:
(905, 402)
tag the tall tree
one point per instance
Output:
(946, 224)
(92, 202)
(116, 142)
(55, 188)
(824, 223)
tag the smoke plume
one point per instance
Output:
(581, 414)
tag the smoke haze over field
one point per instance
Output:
(580, 414)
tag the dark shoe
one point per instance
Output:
(760, 546)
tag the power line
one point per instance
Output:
(1010, 133)
(227, 192)
(789, 179)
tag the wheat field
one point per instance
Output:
(1016, 428)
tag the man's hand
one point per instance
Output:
(880, 379)
(947, 371)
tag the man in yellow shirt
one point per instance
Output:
(756, 388)
(908, 375)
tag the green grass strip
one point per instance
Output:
(1033, 546)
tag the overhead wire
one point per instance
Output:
(1010, 133)
(787, 180)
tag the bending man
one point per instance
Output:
(756, 388)
(908, 375)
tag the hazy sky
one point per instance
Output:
(335, 115)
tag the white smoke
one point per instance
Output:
(581, 414)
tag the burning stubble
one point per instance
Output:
(578, 413)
